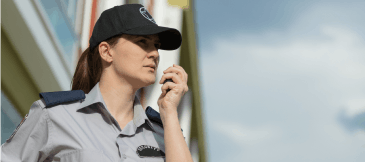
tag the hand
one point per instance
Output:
(168, 102)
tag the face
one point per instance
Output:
(136, 58)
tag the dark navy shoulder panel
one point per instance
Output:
(154, 116)
(55, 98)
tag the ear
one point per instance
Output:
(104, 51)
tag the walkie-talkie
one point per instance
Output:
(167, 80)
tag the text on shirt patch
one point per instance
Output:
(149, 151)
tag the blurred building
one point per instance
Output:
(41, 41)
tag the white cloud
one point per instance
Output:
(355, 106)
(278, 100)
(336, 64)
(246, 135)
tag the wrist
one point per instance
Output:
(168, 115)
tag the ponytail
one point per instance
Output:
(88, 71)
(89, 68)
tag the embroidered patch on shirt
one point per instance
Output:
(149, 151)
(12, 135)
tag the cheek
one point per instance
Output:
(129, 64)
(130, 60)
(126, 65)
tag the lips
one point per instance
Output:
(151, 66)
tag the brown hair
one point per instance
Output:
(89, 68)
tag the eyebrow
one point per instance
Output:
(148, 37)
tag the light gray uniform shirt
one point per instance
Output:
(84, 131)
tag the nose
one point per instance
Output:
(154, 53)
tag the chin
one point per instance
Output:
(149, 81)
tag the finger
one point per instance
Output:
(174, 69)
(185, 78)
(166, 86)
(180, 67)
(180, 72)
(175, 78)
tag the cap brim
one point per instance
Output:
(170, 38)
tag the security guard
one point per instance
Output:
(108, 123)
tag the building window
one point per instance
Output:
(59, 16)
(10, 118)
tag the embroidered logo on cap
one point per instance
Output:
(20, 124)
(149, 151)
(145, 14)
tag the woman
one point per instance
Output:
(109, 124)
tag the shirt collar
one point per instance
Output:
(94, 96)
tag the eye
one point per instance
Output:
(143, 41)
(158, 45)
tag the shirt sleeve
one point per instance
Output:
(31, 140)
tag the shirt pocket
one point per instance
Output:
(84, 156)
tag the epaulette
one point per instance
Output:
(154, 116)
(55, 98)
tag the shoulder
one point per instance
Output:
(39, 110)
(35, 130)
(154, 116)
(51, 99)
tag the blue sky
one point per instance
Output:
(282, 80)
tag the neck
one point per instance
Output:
(118, 96)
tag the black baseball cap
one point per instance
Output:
(132, 19)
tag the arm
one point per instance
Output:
(175, 145)
(176, 149)
(29, 143)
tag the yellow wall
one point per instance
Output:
(189, 61)
(15, 80)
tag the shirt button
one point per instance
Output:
(124, 156)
